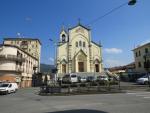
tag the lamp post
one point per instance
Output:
(55, 59)
(146, 66)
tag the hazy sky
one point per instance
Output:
(118, 32)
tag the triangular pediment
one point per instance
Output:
(80, 52)
(79, 25)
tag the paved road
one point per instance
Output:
(26, 101)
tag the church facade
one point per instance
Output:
(77, 53)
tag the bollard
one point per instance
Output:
(69, 88)
(119, 82)
(88, 86)
(98, 86)
(78, 88)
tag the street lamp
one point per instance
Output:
(55, 58)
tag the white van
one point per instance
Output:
(70, 78)
(6, 88)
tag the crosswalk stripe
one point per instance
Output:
(139, 93)
(146, 97)
(142, 95)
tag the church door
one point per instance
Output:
(63, 68)
(97, 67)
(81, 66)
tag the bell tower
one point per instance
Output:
(63, 35)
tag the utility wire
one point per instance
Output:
(109, 12)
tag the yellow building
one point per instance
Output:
(29, 45)
(142, 58)
(76, 52)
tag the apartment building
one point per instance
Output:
(29, 45)
(16, 65)
(142, 58)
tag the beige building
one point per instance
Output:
(30, 45)
(77, 52)
(16, 65)
(142, 54)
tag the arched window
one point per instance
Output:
(83, 44)
(63, 38)
(80, 43)
(76, 44)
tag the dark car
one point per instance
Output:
(91, 79)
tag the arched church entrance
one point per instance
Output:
(81, 66)
(96, 62)
(81, 62)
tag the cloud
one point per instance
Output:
(113, 50)
(112, 63)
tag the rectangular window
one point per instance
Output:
(80, 43)
(146, 50)
(136, 54)
(76, 44)
(147, 64)
(139, 64)
(139, 53)
(83, 44)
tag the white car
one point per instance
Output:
(6, 88)
(70, 78)
(143, 80)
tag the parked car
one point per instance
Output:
(82, 79)
(102, 78)
(143, 80)
(59, 79)
(91, 78)
(1, 83)
(6, 88)
(70, 78)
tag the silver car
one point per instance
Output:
(143, 80)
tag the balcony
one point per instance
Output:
(12, 58)
(11, 69)
(147, 55)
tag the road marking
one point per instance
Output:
(138, 93)
(142, 95)
(130, 93)
(146, 97)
